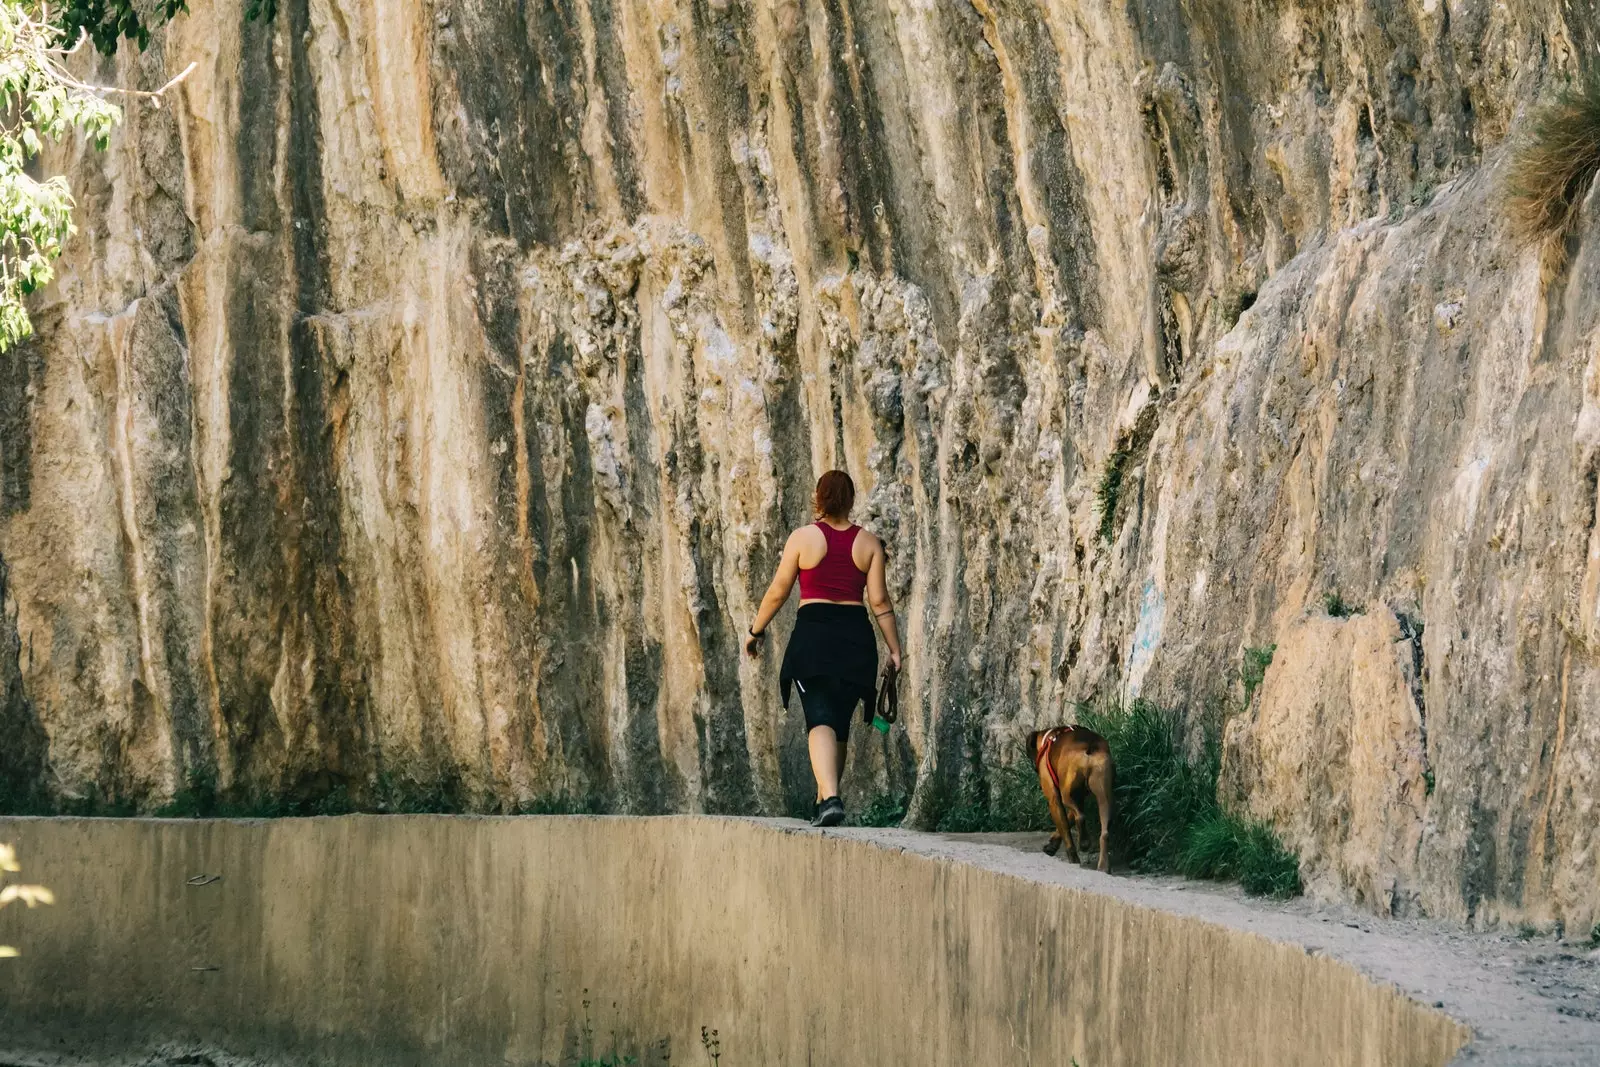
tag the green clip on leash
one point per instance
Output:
(888, 708)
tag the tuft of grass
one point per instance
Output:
(563, 804)
(1337, 607)
(885, 809)
(1527, 932)
(1166, 821)
(1007, 801)
(1108, 492)
(1555, 162)
(1254, 669)
(1594, 935)
(1167, 818)
(1223, 847)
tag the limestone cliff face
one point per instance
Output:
(428, 393)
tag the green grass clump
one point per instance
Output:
(1004, 801)
(1337, 607)
(1167, 819)
(1555, 162)
(563, 804)
(1108, 492)
(1223, 847)
(885, 809)
(1254, 669)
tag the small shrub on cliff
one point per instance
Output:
(1337, 607)
(1555, 162)
(1108, 492)
(1254, 669)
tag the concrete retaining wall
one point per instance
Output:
(455, 940)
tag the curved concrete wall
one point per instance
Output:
(452, 940)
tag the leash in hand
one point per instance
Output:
(888, 703)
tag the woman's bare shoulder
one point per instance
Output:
(868, 540)
(805, 535)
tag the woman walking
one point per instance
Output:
(832, 658)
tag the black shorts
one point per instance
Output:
(826, 703)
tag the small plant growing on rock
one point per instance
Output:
(1555, 163)
(31, 895)
(1107, 493)
(1254, 669)
(885, 809)
(1337, 607)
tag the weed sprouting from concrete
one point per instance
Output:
(585, 1055)
(712, 1045)
(1594, 935)
(610, 1059)
(1254, 669)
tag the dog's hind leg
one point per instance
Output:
(1100, 786)
(1074, 820)
(1063, 831)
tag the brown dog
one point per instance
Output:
(1071, 759)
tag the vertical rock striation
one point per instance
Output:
(426, 397)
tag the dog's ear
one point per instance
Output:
(1033, 743)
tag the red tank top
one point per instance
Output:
(836, 576)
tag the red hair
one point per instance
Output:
(836, 495)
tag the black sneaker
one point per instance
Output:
(829, 813)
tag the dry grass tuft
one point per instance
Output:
(1555, 162)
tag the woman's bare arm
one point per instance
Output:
(777, 593)
(878, 600)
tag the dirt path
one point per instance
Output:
(1531, 1003)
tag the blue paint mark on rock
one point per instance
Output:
(1146, 636)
